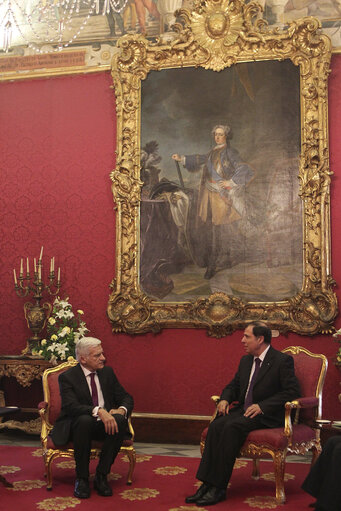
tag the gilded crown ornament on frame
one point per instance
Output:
(282, 273)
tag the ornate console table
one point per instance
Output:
(20, 378)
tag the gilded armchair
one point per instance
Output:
(301, 433)
(49, 410)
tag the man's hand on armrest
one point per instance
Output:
(223, 407)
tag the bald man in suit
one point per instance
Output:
(264, 382)
(95, 406)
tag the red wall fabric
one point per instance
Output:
(57, 140)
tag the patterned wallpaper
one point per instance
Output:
(57, 148)
(56, 156)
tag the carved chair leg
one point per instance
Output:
(255, 469)
(316, 450)
(132, 461)
(44, 461)
(48, 470)
(279, 467)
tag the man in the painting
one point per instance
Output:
(264, 382)
(221, 200)
(113, 17)
(141, 6)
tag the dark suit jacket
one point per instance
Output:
(276, 384)
(76, 398)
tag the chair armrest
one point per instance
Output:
(297, 404)
(307, 402)
(216, 400)
(42, 405)
(45, 426)
(131, 429)
(303, 402)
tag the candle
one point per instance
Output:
(21, 267)
(15, 277)
(58, 274)
(41, 253)
(35, 265)
(27, 266)
(51, 265)
(39, 271)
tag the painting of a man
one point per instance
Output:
(220, 208)
(221, 196)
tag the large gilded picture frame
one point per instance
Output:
(215, 234)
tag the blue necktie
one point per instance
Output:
(249, 396)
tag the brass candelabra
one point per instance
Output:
(36, 315)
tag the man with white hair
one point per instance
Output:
(95, 406)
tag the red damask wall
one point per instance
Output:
(57, 143)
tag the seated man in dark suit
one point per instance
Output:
(264, 381)
(95, 406)
(323, 481)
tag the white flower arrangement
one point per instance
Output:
(64, 330)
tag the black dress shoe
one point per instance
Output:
(212, 496)
(198, 494)
(101, 485)
(316, 506)
(82, 488)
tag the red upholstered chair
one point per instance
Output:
(49, 410)
(299, 435)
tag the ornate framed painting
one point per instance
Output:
(222, 176)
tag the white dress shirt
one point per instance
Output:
(99, 392)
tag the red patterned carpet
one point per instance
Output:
(160, 483)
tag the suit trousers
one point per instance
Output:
(226, 435)
(86, 428)
(323, 480)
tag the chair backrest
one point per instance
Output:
(51, 389)
(310, 369)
